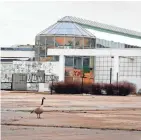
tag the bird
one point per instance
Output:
(39, 110)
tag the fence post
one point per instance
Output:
(12, 83)
(117, 78)
(51, 83)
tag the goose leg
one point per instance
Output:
(39, 116)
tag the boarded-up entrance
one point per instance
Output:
(19, 81)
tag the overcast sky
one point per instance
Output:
(21, 21)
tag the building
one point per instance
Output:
(91, 48)
(17, 53)
(86, 47)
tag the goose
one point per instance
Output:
(39, 110)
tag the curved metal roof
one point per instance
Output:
(66, 28)
(93, 24)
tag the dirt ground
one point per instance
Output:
(70, 117)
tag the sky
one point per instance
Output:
(21, 21)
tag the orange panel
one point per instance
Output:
(60, 40)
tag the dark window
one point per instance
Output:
(69, 61)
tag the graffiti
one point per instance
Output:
(77, 73)
(6, 77)
(31, 68)
(32, 86)
(6, 85)
(25, 67)
(6, 72)
(35, 77)
(49, 78)
(69, 71)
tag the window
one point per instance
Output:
(92, 43)
(60, 42)
(69, 61)
(78, 62)
(50, 42)
(42, 51)
(86, 43)
(86, 64)
(69, 41)
(79, 43)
